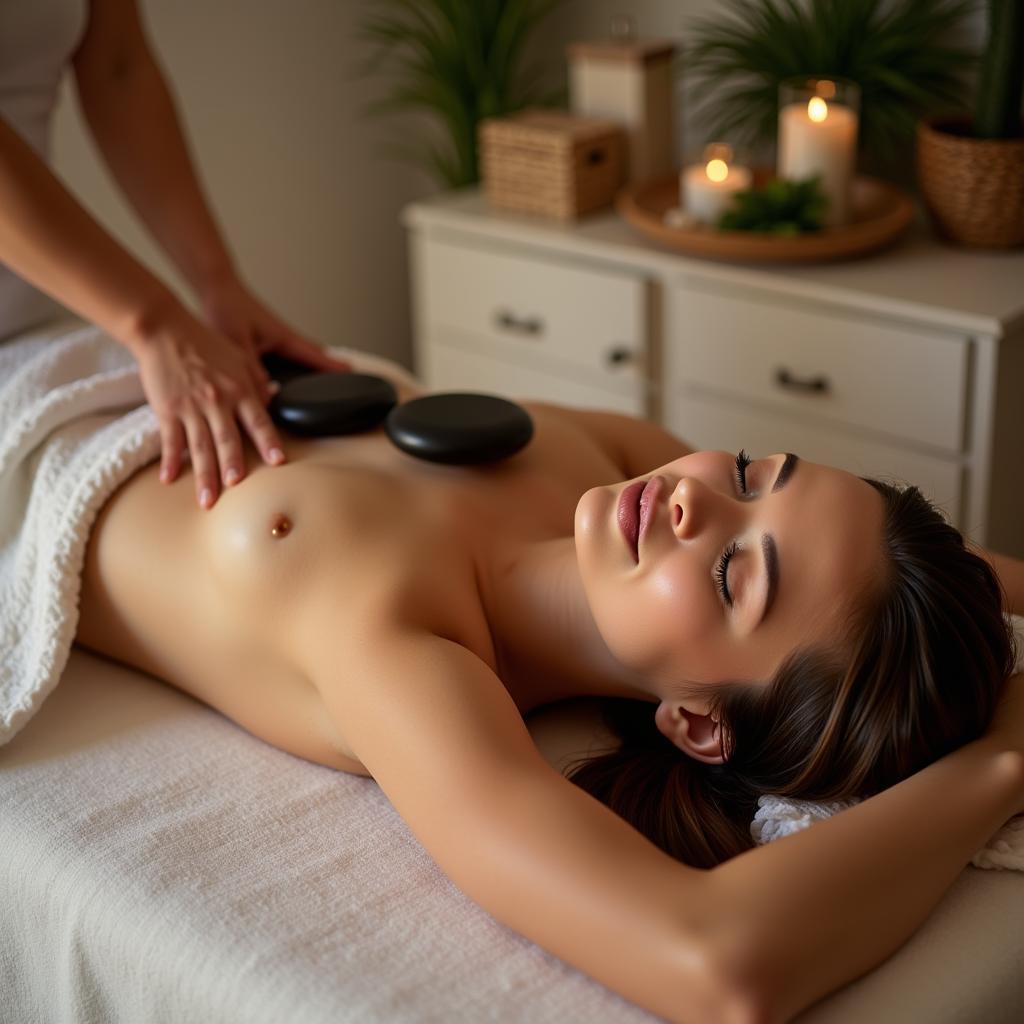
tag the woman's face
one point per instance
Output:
(738, 564)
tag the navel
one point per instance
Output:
(282, 526)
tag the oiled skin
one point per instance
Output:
(217, 602)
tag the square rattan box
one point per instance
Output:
(551, 162)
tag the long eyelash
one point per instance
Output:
(742, 461)
(722, 570)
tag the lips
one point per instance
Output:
(628, 514)
(648, 503)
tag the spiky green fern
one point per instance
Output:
(897, 51)
(458, 60)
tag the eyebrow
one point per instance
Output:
(785, 471)
(771, 552)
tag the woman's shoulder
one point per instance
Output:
(587, 424)
(633, 444)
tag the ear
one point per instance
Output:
(695, 734)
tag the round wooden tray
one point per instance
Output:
(881, 213)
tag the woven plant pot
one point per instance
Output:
(973, 188)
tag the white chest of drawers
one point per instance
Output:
(498, 319)
(907, 365)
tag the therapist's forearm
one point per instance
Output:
(132, 116)
(49, 239)
(831, 902)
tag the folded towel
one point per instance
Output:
(778, 816)
(74, 425)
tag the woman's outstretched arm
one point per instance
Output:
(831, 902)
(442, 737)
(756, 939)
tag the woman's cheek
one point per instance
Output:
(679, 609)
(659, 624)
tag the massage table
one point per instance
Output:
(160, 864)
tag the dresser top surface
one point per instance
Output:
(919, 276)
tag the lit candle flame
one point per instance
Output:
(817, 108)
(717, 170)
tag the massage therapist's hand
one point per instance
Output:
(201, 383)
(232, 309)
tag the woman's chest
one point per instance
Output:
(351, 529)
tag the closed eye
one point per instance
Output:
(742, 461)
(722, 572)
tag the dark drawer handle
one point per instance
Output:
(619, 355)
(815, 385)
(521, 325)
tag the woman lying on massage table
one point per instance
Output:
(788, 627)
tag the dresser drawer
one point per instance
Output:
(551, 314)
(707, 421)
(450, 368)
(892, 380)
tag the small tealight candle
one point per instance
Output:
(818, 136)
(707, 189)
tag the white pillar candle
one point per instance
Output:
(820, 138)
(707, 189)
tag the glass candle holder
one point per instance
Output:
(707, 189)
(818, 123)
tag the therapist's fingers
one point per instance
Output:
(204, 457)
(261, 381)
(261, 429)
(172, 444)
(228, 444)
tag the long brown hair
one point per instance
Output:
(918, 674)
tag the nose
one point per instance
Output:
(692, 506)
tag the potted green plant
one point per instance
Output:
(897, 51)
(971, 172)
(460, 61)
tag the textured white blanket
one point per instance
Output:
(74, 426)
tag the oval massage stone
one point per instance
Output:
(459, 428)
(320, 404)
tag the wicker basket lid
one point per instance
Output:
(552, 123)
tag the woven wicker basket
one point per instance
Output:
(973, 188)
(551, 162)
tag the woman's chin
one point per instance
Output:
(590, 509)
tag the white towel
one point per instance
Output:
(74, 425)
(778, 816)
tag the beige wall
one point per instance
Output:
(268, 97)
(267, 93)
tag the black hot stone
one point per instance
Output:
(459, 428)
(317, 404)
(282, 369)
